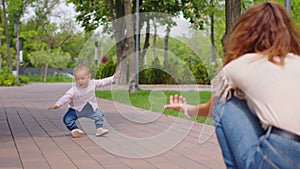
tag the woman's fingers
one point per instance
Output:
(177, 99)
(184, 100)
(171, 99)
(176, 103)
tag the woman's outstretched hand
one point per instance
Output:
(177, 103)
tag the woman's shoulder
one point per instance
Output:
(250, 57)
(293, 56)
(243, 61)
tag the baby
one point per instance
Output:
(82, 101)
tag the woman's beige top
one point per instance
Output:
(272, 92)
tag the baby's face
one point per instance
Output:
(82, 78)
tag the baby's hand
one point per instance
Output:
(54, 107)
(117, 74)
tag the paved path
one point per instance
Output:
(33, 137)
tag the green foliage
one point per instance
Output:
(155, 74)
(74, 45)
(15, 9)
(182, 50)
(45, 58)
(59, 59)
(200, 73)
(40, 59)
(41, 34)
(296, 12)
(106, 70)
(56, 58)
(170, 72)
(24, 79)
(173, 72)
(195, 12)
(92, 13)
(7, 78)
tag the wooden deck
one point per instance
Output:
(34, 137)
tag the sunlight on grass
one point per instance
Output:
(155, 100)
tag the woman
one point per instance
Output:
(255, 105)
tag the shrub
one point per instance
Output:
(171, 71)
(153, 75)
(24, 79)
(8, 83)
(7, 78)
(200, 73)
(106, 70)
(143, 76)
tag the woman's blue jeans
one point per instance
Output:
(72, 115)
(244, 142)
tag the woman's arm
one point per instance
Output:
(179, 103)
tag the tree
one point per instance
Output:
(40, 59)
(45, 58)
(130, 40)
(1, 39)
(154, 38)
(212, 29)
(59, 59)
(51, 33)
(163, 11)
(15, 11)
(43, 34)
(92, 13)
(74, 45)
(232, 12)
(7, 35)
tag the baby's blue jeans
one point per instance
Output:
(246, 145)
(72, 115)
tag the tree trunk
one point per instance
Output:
(7, 36)
(212, 33)
(146, 43)
(17, 33)
(233, 11)
(166, 42)
(46, 72)
(121, 44)
(0, 40)
(122, 66)
(154, 40)
(130, 39)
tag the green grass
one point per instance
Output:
(155, 100)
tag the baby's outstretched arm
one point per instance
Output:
(54, 107)
(117, 75)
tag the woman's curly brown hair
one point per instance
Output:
(266, 28)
